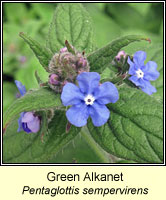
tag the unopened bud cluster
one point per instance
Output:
(120, 62)
(65, 66)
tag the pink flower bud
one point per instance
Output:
(82, 62)
(53, 79)
(64, 49)
(121, 54)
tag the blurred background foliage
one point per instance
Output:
(111, 20)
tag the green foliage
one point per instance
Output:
(43, 54)
(134, 130)
(37, 148)
(35, 100)
(71, 22)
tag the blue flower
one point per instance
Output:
(20, 87)
(88, 99)
(27, 121)
(143, 74)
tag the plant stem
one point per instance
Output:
(97, 149)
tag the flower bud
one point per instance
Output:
(82, 62)
(65, 66)
(53, 79)
(29, 122)
(120, 55)
(62, 50)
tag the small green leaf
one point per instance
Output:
(32, 101)
(101, 58)
(43, 54)
(37, 147)
(71, 22)
(135, 128)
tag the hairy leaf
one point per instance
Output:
(37, 147)
(135, 128)
(34, 100)
(71, 22)
(43, 54)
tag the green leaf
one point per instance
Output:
(102, 58)
(135, 128)
(71, 22)
(35, 100)
(43, 54)
(29, 148)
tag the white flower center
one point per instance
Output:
(140, 73)
(89, 99)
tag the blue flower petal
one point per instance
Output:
(34, 125)
(135, 80)
(148, 88)
(25, 128)
(139, 58)
(71, 95)
(150, 71)
(28, 116)
(106, 93)
(132, 68)
(78, 114)
(20, 87)
(88, 82)
(99, 114)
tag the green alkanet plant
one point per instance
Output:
(82, 79)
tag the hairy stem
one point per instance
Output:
(97, 149)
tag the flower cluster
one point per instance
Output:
(142, 74)
(88, 99)
(27, 121)
(65, 66)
